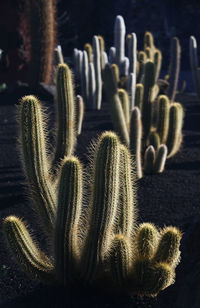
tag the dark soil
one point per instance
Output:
(171, 198)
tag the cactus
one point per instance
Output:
(194, 64)
(42, 31)
(92, 86)
(88, 49)
(65, 134)
(103, 242)
(125, 104)
(80, 113)
(102, 51)
(174, 68)
(162, 124)
(84, 78)
(119, 40)
(97, 67)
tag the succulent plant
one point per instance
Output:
(101, 244)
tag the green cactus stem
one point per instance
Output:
(68, 219)
(35, 161)
(124, 99)
(65, 134)
(136, 140)
(149, 159)
(80, 113)
(174, 68)
(174, 138)
(27, 254)
(162, 124)
(115, 104)
(161, 156)
(42, 30)
(139, 92)
(103, 202)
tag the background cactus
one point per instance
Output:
(42, 29)
(103, 242)
(194, 63)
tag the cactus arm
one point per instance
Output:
(162, 124)
(124, 99)
(103, 54)
(124, 67)
(58, 54)
(112, 55)
(65, 135)
(88, 49)
(161, 156)
(97, 67)
(131, 89)
(154, 140)
(92, 86)
(132, 52)
(28, 255)
(174, 68)
(174, 138)
(103, 202)
(139, 92)
(115, 105)
(149, 159)
(157, 64)
(119, 40)
(80, 113)
(67, 219)
(136, 140)
(34, 158)
(84, 78)
(141, 60)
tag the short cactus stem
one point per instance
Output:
(142, 58)
(148, 40)
(103, 202)
(147, 240)
(80, 113)
(27, 254)
(168, 248)
(112, 55)
(68, 219)
(149, 159)
(34, 158)
(58, 55)
(120, 260)
(161, 156)
(174, 138)
(136, 140)
(162, 125)
(102, 51)
(124, 67)
(65, 135)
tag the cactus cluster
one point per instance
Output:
(97, 242)
(194, 64)
(152, 129)
(89, 64)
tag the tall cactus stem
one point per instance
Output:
(79, 114)
(97, 67)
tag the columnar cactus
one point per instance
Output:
(119, 40)
(174, 68)
(194, 63)
(101, 244)
(42, 28)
